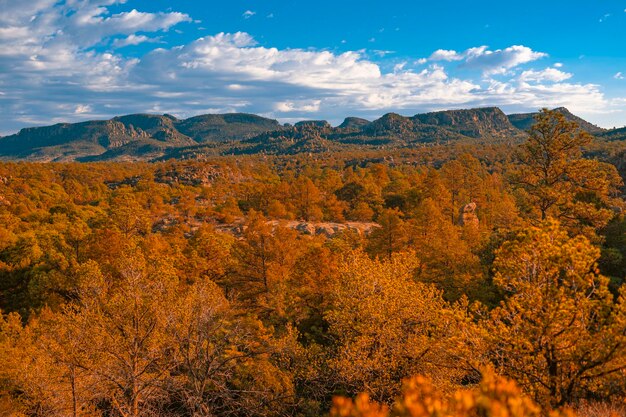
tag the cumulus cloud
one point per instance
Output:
(48, 63)
(488, 61)
(619, 76)
(306, 106)
(548, 74)
(133, 40)
(82, 108)
(248, 14)
(446, 55)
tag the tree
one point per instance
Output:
(388, 327)
(495, 396)
(559, 332)
(445, 258)
(307, 198)
(261, 262)
(222, 360)
(124, 319)
(390, 237)
(556, 181)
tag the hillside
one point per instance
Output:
(149, 137)
(475, 123)
(524, 121)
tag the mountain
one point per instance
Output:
(135, 136)
(482, 123)
(474, 123)
(614, 134)
(524, 121)
(67, 141)
(353, 123)
(316, 123)
(150, 137)
(225, 127)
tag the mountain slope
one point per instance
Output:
(225, 127)
(474, 123)
(524, 121)
(149, 137)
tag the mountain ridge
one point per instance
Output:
(152, 136)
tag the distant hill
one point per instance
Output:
(224, 127)
(474, 123)
(150, 137)
(524, 121)
(353, 123)
(614, 134)
(316, 123)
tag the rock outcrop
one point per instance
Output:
(467, 215)
(326, 229)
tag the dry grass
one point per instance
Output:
(601, 409)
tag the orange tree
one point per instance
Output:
(559, 332)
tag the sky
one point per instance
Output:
(74, 60)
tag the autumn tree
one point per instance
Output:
(559, 332)
(261, 263)
(222, 362)
(445, 258)
(556, 181)
(124, 318)
(388, 326)
(207, 254)
(391, 237)
(495, 396)
(307, 198)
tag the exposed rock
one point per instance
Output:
(326, 229)
(467, 215)
(130, 181)
(192, 175)
(306, 228)
(475, 123)
(164, 224)
(314, 123)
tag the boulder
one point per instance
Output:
(467, 215)
(306, 228)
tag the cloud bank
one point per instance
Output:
(63, 61)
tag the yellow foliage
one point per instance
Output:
(495, 396)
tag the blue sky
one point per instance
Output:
(72, 60)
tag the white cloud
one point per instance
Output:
(133, 40)
(382, 53)
(619, 76)
(488, 61)
(48, 64)
(500, 60)
(302, 106)
(248, 14)
(548, 74)
(82, 109)
(446, 55)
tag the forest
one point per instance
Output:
(469, 281)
